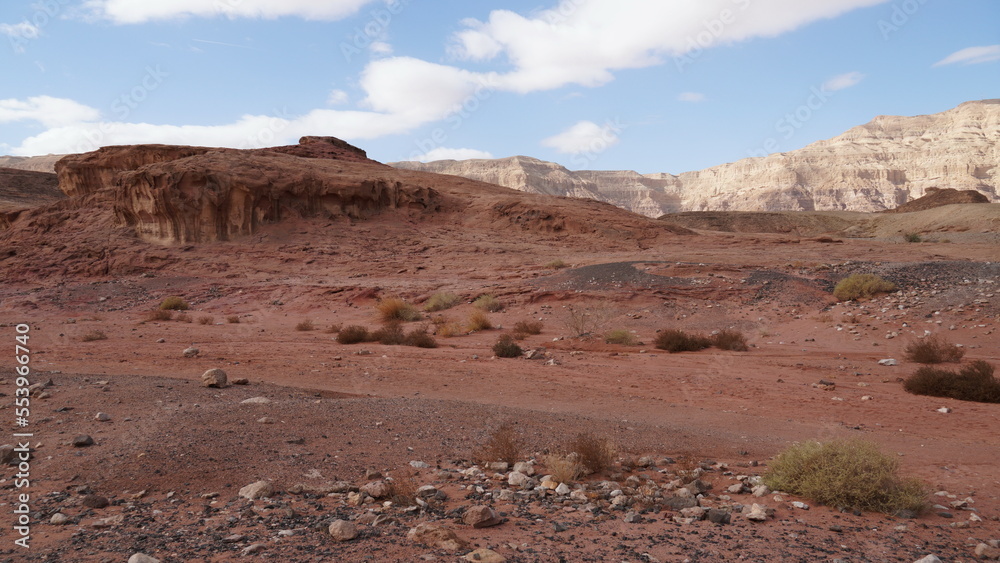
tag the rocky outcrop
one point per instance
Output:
(938, 198)
(45, 163)
(81, 174)
(877, 166)
(22, 189)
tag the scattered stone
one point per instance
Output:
(102, 417)
(928, 559)
(108, 522)
(484, 555)
(563, 489)
(142, 558)
(240, 381)
(255, 401)
(525, 467)
(95, 501)
(825, 385)
(717, 516)
(82, 441)
(517, 479)
(191, 352)
(253, 549)
(161, 340)
(632, 518)
(987, 551)
(7, 454)
(888, 362)
(800, 505)
(419, 464)
(214, 378)
(265, 420)
(376, 489)
(58, 519)
(481, 516)
(755, 513)
(761, 491)
(342, 530)
(695, 513)
(944, 410)
(436, 536)
(260, 489)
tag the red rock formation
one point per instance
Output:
(937, 197)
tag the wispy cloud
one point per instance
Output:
(224, 44)
(693, 97)
(141, 11)
(582, 137)
(972, 55)
(842, 81)
(445, 153)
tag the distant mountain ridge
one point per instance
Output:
(872, 167)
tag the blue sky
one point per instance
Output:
(668, 86)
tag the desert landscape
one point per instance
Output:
(424, 367)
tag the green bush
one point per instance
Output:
(933, 350)
(862, 286)
(174, 303)
(620, 336)
(974, 382)
(851, 474)
(674, 341)
(353, 334)
(441, 301)
(912, 237)
(488, 303)
(506, 347)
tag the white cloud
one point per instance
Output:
(140, 11)
(584, 136)
(842, 81)
(972, 55)
(584, 41)
(418, 90)
(691, 97)
(380, 48)
(24, 30)
(49, 111)
(337, 97)
(445, 153)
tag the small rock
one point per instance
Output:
(255, 401)
(82, 441)
(717, 516)
(484, 555)
(142, 558)
(102, 417)
(756, 513)
(632, 518)
(944, 410)
(214, 378)
(419, 464)
(7, 454)
(191, 352)
(58, 519)
(342, 530)
(240, 381)
(800, 505)
(260, 489)
(695, 513)
(987, 551)
(761, 491)
(888, 362)
(481, 516)
(436, 536)
(161, 340)
(525, 467)
(109, 521)
(517, 479)
(253, 549)
(376, 489)
(825, 385)
(928, 559)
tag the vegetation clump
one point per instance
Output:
(506, 347)
(933, 350)
(479, 321)
(488, 303)
(851, 474)
(673, 341)
(974, 382)
(620, 336)
(523, 329)
(395, 309)
(503, 444)
(564, 468)
(94, 335)
(441, 301)
(353, 334)
(174, 303)
(862, 286)
(729, 339)
(420, 338)
(595, 454)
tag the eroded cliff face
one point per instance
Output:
(173, 194)
(873, 167)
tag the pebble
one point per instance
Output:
(58, 519)
(214, 378)
(102, 417)
(82, 441)
(342, 530)
(142, 558)
(256, 490)
(191, 352)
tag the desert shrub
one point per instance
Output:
(674, 341)
(506, 347)
(420, 338)
(184, 318)
(233, 319)
(933, 350)
(450, 329)
(861, 286)
(390, 334)
(582, 321)
(912, 237)
(845, 474)
(395, 309)
(402, 491)
(488, 303)
(620, 336)
(205, 320)
(526, 328)
(595, 454)
(974, 382)
(353, 334)
(564, 468)
(305, 326)
(730, 340)
(160, 315)
(503, 444)
(174, 303)
(333, 329)
(94, 335)
(556, 265)
(479, 321)
(441, 301)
